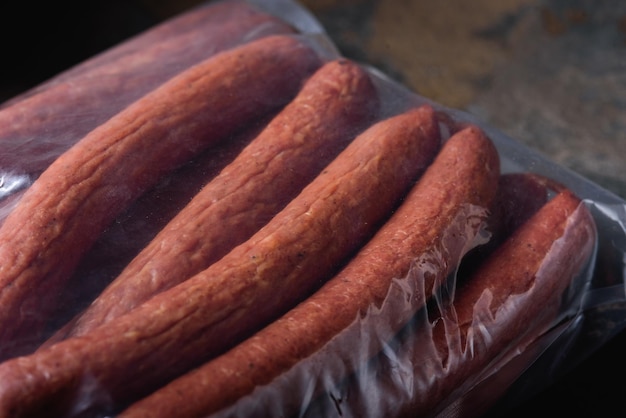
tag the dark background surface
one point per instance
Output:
(551, 74)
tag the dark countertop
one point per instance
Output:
(549, 73)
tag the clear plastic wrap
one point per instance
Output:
(392, 359)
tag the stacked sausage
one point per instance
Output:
(298, 234)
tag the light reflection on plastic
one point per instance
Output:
(12, 183)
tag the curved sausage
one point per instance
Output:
(509, 301)
(38, 126)
(68, 206)
(385, 283)
(519, 195)
(337, 102)
(516, 292)
(246, 289)
(134, 228)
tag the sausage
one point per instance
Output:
(525, 278)
(510, 300)
(338, 101)
(133, 229)
(519, 195)
(69, 205)
(250, 286)
(442, 214)
(54, 115)
(36, 129)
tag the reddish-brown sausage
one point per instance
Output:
(250, 286)
(335, 103)
(133, 229)
(510, 300)
(69, 205)
(518, 197)
(418, 247)
(515, 293)
(45, 122)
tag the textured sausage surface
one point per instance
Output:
(69, 205)
(250, 286)
(132, 230)
(36, 129)
(519, 195)
(510, 300)
(517, 289)
(337, 102)
(439, 218)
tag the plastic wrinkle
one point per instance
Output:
(12, 187)
(489, 324)
(373, 330)
(89, 393)
(12, 183)
(401, 380)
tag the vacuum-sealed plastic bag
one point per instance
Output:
(429, 265)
